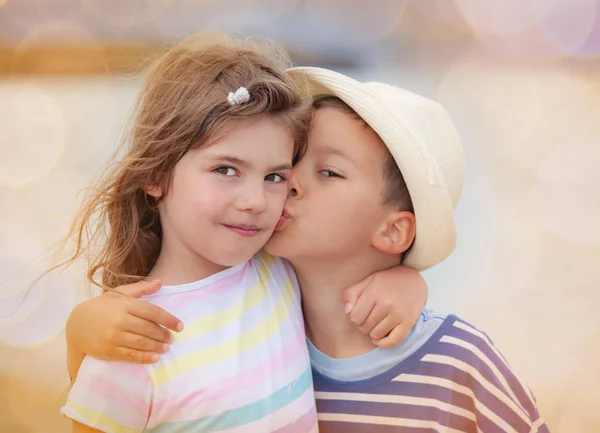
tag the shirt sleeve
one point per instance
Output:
(501, 398)
(113, 397)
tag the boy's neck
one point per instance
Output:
(176, 265)
(323, 285)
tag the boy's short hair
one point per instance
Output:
(395, 193)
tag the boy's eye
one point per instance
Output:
(226, 171)
(329, 173)
(275, 178)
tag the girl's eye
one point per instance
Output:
(275, 178)
(329, 173)
(226, 171)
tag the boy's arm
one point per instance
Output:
(514, 408)
(498, 395)
(116, 326)
(387, 304)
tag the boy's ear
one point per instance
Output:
(153, 190)
(396, 233)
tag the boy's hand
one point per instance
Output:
(387, 304)
(116, 326)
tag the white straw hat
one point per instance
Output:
(422, 139)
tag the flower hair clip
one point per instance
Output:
(240, 96)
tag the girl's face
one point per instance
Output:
(226, 198)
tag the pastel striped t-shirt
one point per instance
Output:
(455, 381)
(240, 365)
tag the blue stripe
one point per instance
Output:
(244, 414)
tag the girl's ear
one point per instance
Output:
(153, 190)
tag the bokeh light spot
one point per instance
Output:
(30, 314)
(501, 18)
(125, 14)
(355, 21)
(440, 10)
(33, 135)
(565, 25)
(567, 191)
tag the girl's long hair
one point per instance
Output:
(182, 105)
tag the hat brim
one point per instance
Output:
(435, 228)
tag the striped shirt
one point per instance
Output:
(240, 365)
(454, 381)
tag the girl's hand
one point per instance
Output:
(387, 304)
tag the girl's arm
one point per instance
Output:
(116, 326)
(387, 304)
(82, 428)
(109, 397)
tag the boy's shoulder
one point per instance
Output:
(458, 365)
(459, 339)
(458, 332)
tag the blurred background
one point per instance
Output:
(521, 79)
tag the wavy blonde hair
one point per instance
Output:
(182, 105)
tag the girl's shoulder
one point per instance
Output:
(275, 265)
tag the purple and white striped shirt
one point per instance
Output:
(456, 381)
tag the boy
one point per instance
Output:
(378, 184)
(375, 164)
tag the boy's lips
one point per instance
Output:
(283, 219)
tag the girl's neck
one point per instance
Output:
(182, 267)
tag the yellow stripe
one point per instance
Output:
(220, 319)
(233, 347)
(97, 419)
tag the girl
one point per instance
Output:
(200, 190)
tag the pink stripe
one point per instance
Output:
(173, 301)
(303, 424)
(169, 407)
(110, 394)
(92, 367)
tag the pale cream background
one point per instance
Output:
(526, 102)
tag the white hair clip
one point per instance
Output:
(240, 96)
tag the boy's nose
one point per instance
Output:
(295, 190)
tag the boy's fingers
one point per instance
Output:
(146, 329)
(155, 314)
(139, 288)
(139, 342)
(352, 294)
(135, 356)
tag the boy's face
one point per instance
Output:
(335, 203)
